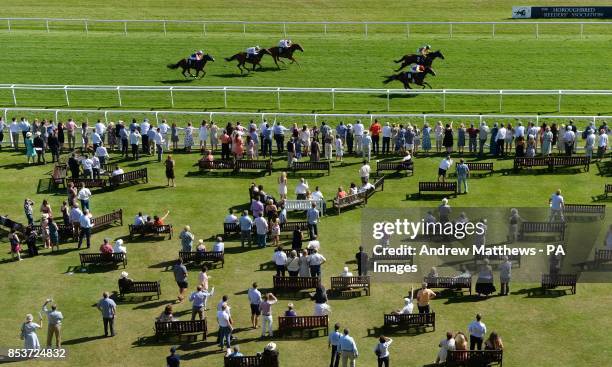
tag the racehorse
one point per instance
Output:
(243, 58)
(277, 53)
(187, 65)
(418, 59)
(409, 77)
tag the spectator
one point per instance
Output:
(445, 345)
(339, 149)
(233, 352)
(515, 221)
(135, 142)
(483, 133)
(124, 282)
(366, 146)
(557, 206)
(28, 333)
(315, 261)
(333, 342)
(159, 222)
(230, 217)
(15, 244)
(261, 225)
(304, 264)
(494, 342)
(87, 165)
(170, 176)
(30, 148)
(198, 301)
(602, 143)
(362, 262)
(269, 357)
(106, 247)
(547, 139)
(364, 172)
(463, 172)
(500, 139)
(254, 296)
(382, 350)
(348, 349)
(301, 189)
(219, 246)
(108, 308)
(447, 140)
(484, 283)
(460, 341)
(246, 228)
(505, 274)
(173, 360)
(85, 228)
(180, 276)
(28, 208)
(84, 195)
(186, 238)
(408, 306)
(569, 138)
(477, 330)
(312, 216)
(444, 210)
(293, 264)
(266, 311)
(280, 260)
(30, 238)
(445, 164)
(290, 311)
(39, 147)
(346, 272)
(203, 279)
(424, 296)
(54, 319)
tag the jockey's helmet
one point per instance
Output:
(200, 52)
(427, 47)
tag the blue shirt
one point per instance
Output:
(173, 360)
(267, 133)
(347, 344)
(85, 221)
(341, 130)
(462, 170)
(278, 130)
(312, 216)
(334, 338)
(107, 306)
(246, 224)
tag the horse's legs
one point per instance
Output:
(294, 61)
(276, 59)
(427, 84)
(407, 85)
(404, 64)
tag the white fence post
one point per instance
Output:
(204, 29)
(14, 96)
(47, 25)
(66, 94)
(244, 29)
(105, 116)
(165, 31)
(443, 100)
(8, 24)
(537, 30)
(366, 30)
(450, 30)
(278, 99)
(559, 102)
(157, 117)
(493, 31)
(225, 97)
(125, 28)
(172, 97)
(501, 100)
(407, 30)
(333, 95)
(325, 28)
(56, 115)
(285, 29)
(388, 101)
(86, 27)
(119, 96)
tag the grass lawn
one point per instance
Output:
(537, 331)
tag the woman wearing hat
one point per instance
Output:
(29, 143)
(269, 357)
(28, 332)
(119, 248)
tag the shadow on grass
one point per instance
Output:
(377, 331)
(176, 81)
(166, 265)
(467, 299)
(604, 168)
(232, 75)
(539, 292)
(16, 166)
(153, 188)
(82, 340)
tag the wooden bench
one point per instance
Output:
(392, 167)
(88, 182)
(379, 183)
(260, 165)
(607, 189)
(303, 205)
(434, 186)
(216, 165)
(360, 198)
(478, 167)
(147, 230)
(287, 324)
(574, 161)
(139, 175)
(245, 361)
(589, 209)
(141, 287)
(454, 283)
(406, 321)
(552, 281)
(58, 175)
(311, 166)
(294, 284)
(350, 284)
(602, 256)
(292, 226)
(103, 259)
(106, 220)
(11, 224)
(542, 227)
(180, 328)
(230, 229)
(469, 358)
(200, 257)
(65, 231)
(530, 162)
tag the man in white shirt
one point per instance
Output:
(569, 138)
(254, 300)
(230, 218)
(366, 146)
(280, 260)
(219, 246)
(445, 164)
(84, 195)
(500, 140)
(358, 132)
(315, 261)
(602, 143)
(589, 143)
(364, 172)
(314, 244)
(144, 131)
(225, 327)
(102, 154)
(519, 130)
(14, 128)
(87, 164)
(386, 134)
(163, 129)
(301, 189)
(85, 228)
(483, 135)
(100, 129)
(117, 172)
(477, 330)
(261, 225)
(557, 205)
(135, 142)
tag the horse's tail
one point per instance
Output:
(173, 66)
(389, 79)
(231, 58)
(400, 60)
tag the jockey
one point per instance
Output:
(415, 69)
(424, 50)
(197, 56)
(284, 44)
(252, 51)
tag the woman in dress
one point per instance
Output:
(30, 152)
(304, 264)
(45, 208)
(170, 164)
(15, 245)
(237, 147)
(417, 140)
(188, 137)
(250, 147)
(305, 140)
(28, 332)
(484, 284)
(560, 139)
(293, 264)
(547, 139)
(321, 307)
(296, 240)
(214, 136)
(509, 139)
(167, 315)
(461, 138)
(45, 232)
(282, 186)
(271, 211)
(53, 234)
(85, 136)
(111, 136)
(554, 130)
(530, 151)
(439, 133)
(315, 151)
(203, 133)
(174, 136)
(426, 142)
(65, 209)
(448, 138)
(203, 278)
(61, 137)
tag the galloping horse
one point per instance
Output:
(243, 58)
(418, 59)
(277, 53)
(197, 65)
(415, 78)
